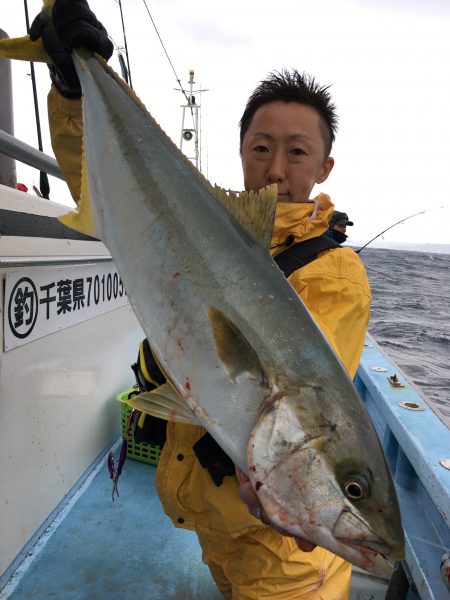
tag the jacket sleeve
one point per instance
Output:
(336, 290)
(66, 131)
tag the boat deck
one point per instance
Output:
(123, 550)
(91, 548)
(118, 550)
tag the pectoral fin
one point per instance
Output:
(233, 349)
(164, 403)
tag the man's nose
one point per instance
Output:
(277, 168)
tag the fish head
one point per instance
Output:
(316, 481)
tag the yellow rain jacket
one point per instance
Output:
(248, 559)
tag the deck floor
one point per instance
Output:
(121, 550)
(125, 550)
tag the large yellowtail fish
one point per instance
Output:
(243, 355)
(241, 352)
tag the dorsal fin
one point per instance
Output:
(255, 211)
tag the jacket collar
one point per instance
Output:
(295, 221)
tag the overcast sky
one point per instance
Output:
(387, 62)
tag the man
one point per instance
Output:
(338, 226)
(287, 131)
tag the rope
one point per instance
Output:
(164, 48)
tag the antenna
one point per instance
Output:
(193, 133)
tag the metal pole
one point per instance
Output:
(7, 164)
(194, 132)
(194, 113)
(182, 127)
(43, 179)
(21, 151)
(33, 83)
(196, 136)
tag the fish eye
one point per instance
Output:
(355, 490)
(355, 479)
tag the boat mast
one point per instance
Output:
(189, 134)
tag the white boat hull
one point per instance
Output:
(57, 393)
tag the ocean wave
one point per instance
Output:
(410, 317)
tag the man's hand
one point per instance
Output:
(248, 495)
(76, 25)
(72, 25)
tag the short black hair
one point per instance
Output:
(292, 86)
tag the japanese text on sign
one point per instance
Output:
(42, 301)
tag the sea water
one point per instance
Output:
(410, 317)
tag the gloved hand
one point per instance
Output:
(72, 25)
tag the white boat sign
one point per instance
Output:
(42, 301)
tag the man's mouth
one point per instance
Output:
(284, 196)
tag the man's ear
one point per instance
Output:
(326, 170)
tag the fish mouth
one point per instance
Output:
(371, 560)
(375, 554)
(372, 547)
(353, 530)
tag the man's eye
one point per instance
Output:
(297, 151)
(261, 148)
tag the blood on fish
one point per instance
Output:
(187, 384)
(177, 274)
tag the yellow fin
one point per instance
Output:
(24, 49)
(47, 6)
(163, 403)
(234, 350)
(255, 211)
(82, 218)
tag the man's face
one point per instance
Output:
(284, 145)
(341, 228)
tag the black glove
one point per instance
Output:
(73, 24)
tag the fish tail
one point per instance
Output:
(82, 218)
(24, 49)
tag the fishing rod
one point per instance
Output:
(128, 70)
(43, 178)
(422, 212)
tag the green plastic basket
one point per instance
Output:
(144, 452)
